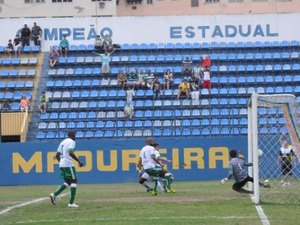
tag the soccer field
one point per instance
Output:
(130, 204)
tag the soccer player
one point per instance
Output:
(153, 166)
(65, 154)
(286, 156)
(145, 176)
(237, 170)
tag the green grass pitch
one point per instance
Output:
(129, 204)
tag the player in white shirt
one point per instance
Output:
(153, 166)
(145, 176)
(65, 155)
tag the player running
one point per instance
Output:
(145, 176)
(65, 154)
(237, 170)
(153, 166)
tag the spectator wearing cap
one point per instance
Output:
(25, 35)
(36, 33)
(184, 88)
(64, 46)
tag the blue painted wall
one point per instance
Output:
(108, 161)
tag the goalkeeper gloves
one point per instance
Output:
(224, 180)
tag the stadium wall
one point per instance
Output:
(219, 28)
(107, 161)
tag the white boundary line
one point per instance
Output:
(111, 219)
(26, 203)
(262, 215)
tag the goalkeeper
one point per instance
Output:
(238, 171)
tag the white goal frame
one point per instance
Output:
(253, 139)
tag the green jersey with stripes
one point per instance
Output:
(64, 148)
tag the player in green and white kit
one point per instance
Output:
(65, 154)
(153, 166)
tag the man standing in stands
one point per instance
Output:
(36, 32)
(25, 35)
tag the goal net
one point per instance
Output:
(272, 120)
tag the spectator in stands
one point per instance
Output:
(64, 46)
(25, 35)
(197, 72)
(132, 78)
(140, 82)
(184, 88)
(53, 57)
(105, 59)
(128, 111)
(206, 63)
(149, 79)
(168, 77)
(24, 104)
(107, 44)
(206, 79)
(18, 45)
(43, 103)
(36, 33)
(130, 93)
(9, 48)
(5, 106)
(156, 87)
(187, 65)
(98, 45)
(194, 85)
(122, 79)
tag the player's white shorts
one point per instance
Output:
(145, 176)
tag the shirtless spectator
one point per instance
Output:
(107, 44)
(25, 35)
(53, 57)
(122, 79)
(36, 34)
(168, 77)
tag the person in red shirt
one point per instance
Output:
(206, 63)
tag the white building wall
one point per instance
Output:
(219, 28)
(76, 8)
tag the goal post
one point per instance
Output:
(272, 119)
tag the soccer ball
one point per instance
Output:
(260, 153)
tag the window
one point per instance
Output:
(211, 1)
(195, 3)
(101, 0)
(235, 0)
(260, 0)
(31, 1)
(149, 2)
(62, 0)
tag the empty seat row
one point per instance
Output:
(256, 68)
(145, 114)
(255, 79)
(146, 123)
(18, 61)
(16, 84)
(14, 95)
(41, 135)
(17, 73)
(254, 56)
